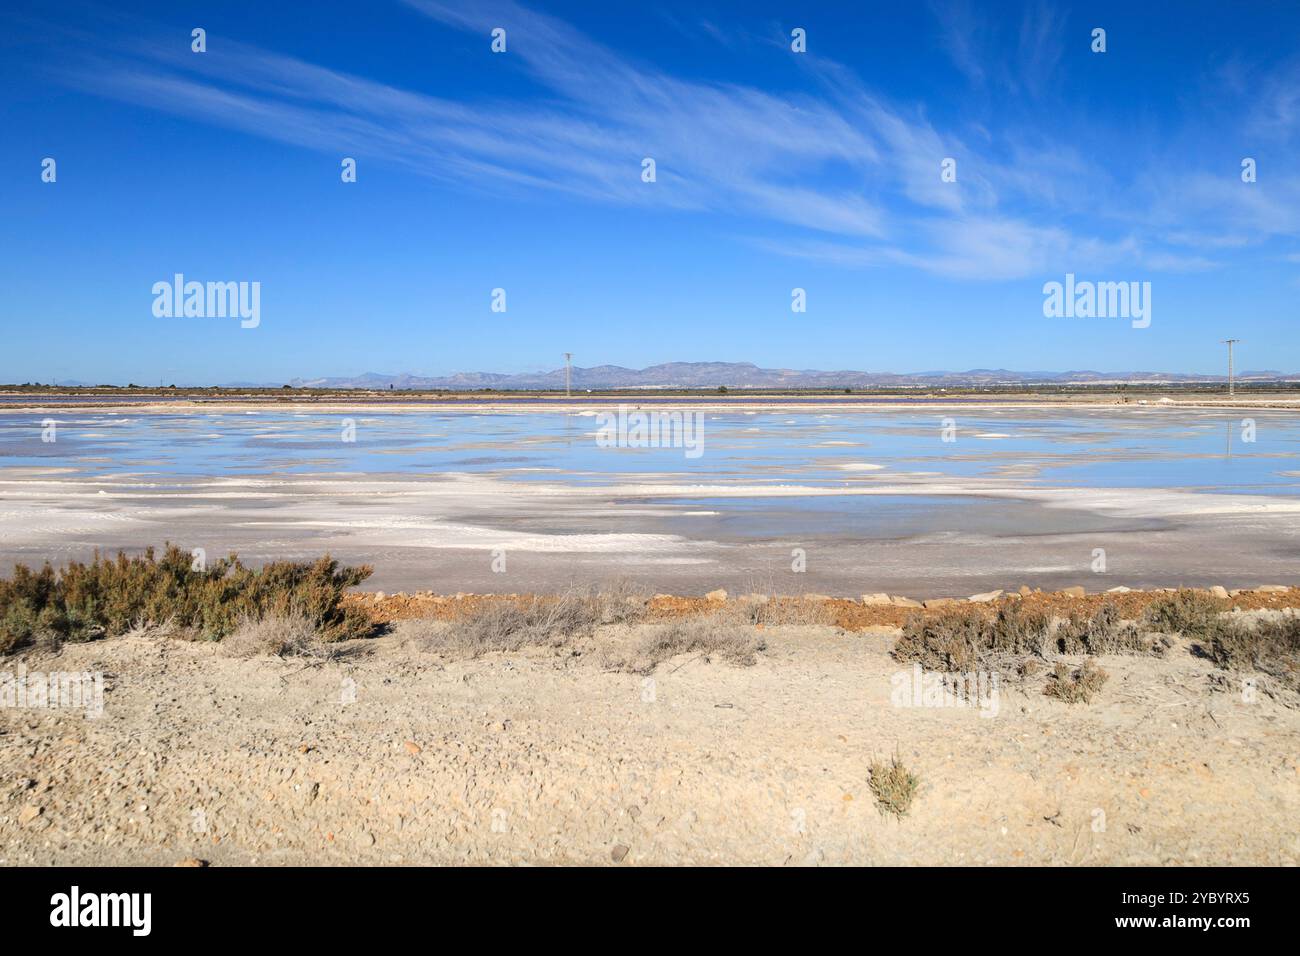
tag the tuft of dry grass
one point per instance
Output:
(950, 642)
(1029, 668)
(965, 639)
(779, 611)
(968, 638)
(1078, 686)
(715, 637)
(621, 602)
(1189, 613)
(893, 786)
(571, 619)
(511, 626)
(551, 621)
(1270, 647)
(290, 635)
(1104, 633)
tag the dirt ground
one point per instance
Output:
(392, 755)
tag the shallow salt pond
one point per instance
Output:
(1111, 448)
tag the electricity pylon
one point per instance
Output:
(1231, 384)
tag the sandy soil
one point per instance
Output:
(393, 755)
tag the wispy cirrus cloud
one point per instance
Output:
(1018, 55)
(840, 174)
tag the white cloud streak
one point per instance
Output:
(846, 176)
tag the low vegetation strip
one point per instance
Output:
(569, 621)
(1014, 638)
(291, 607)
(109, 596)
(968, 638)
(840, 612)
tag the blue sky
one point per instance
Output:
(522, 171)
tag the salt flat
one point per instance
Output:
(896, 499)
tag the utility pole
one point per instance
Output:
(568, 375)
(1231, 385)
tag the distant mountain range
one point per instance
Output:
(743, 375)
